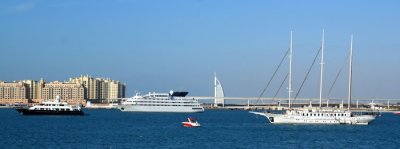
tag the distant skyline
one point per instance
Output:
(157, 45)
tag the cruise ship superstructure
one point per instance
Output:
(161, 102)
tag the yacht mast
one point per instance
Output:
(290, 67)
(350, 71)
(322, 69)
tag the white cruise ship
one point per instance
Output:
(161, 102)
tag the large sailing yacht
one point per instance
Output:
(319, 115)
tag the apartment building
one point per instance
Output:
(69, 92)
(13, 92)
(100, 88)
(91, 86)
(34, 88)
(76, 90)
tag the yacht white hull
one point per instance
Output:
(293, 119)
(317, 117)
(178, 109)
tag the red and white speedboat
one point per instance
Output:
(396, 112)
(191, 123)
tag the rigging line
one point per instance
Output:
(337, 76)
(309, 70)
(284, 80)
(273, 75)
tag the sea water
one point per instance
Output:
(101, 128)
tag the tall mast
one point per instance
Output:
(322, 69)
(290, 67)
(215, 89)
(350, 71)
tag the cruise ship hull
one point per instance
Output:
(177, 109)
(25, 111)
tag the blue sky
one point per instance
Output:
(158, 45)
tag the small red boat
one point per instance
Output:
(397, 112)
(191, 123)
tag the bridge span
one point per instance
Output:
(297, 100)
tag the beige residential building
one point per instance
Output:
(69, 92)
(77, 90)
(14, 92)
(112, 89)
(91, 86)
(100, 88)
(34, 88)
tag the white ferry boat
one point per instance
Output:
(51, 108)
(161, 102)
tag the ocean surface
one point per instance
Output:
(112, 129)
